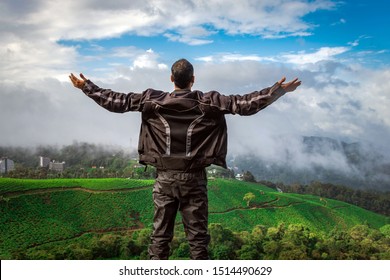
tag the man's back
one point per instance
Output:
(182, 131)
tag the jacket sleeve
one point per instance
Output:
(247, 104)
(114, 101)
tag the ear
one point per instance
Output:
(172, 79)
(193, 79)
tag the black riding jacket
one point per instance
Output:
(184, 130)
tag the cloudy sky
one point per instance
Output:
(339, 49)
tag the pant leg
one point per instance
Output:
(195, 220)
(194, 211)
(165, 210)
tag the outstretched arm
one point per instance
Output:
(251, 103)
(108, 99)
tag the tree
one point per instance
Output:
(248, 197)
(248, 177)
(252, 248)
(129, 249)
(108, 246)
(142, 240)
(385, 230)
(181, 252)
(297, 243)
(223, 243)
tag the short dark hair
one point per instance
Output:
(182, 72)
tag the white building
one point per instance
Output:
(44, 161)
(6, 165)
(57, 166)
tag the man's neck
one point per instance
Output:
(187, 88)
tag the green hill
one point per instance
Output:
(38, 212)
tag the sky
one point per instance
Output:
(339, 49)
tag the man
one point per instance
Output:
(182, 133)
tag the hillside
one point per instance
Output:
(37, 212)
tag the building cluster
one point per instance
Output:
(45, 162)
(7, 165)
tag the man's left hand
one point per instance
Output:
(79, 83)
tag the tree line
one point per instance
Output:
(82, 160)
(373, 200)
(283, 242)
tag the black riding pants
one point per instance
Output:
(186, 192)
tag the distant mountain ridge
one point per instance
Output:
(322, 159)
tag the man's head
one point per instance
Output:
(182, 74)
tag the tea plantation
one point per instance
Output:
(34, 213)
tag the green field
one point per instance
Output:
(38, 212)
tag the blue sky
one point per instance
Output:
(356, 26)
(339, 49)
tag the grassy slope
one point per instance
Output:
(271, 208)
(60, 211)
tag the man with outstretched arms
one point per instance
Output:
(182, 132)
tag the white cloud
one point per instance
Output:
(122, 52)
(208, 58)
(190, 40)
(148, 60)
(95, 19)
(297, 59)
(340, 21)
(230, 57)
(24, 60)
(324, 53)
(42, 115)
(31, 32)
(239, 57)
(191, 35)
(354, 43)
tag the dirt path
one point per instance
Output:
(260, 206)
(75, 188)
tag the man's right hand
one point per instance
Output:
(76, 81)
(289, 86)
